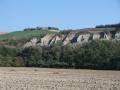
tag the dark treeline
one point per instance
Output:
(109, 26)
(98, 55)
(41, 28)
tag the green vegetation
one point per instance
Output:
(41, 28)
(24, 34)
(109, 26)
(98, 55)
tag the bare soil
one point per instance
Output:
(12, 78)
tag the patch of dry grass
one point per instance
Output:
(2, 33)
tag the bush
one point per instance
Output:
(98, 55)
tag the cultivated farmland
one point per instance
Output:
(58, 79)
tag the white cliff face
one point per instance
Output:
(117, 36)
(96, 36)
(79, 39)
(45, 40)
(31, 43)
(67, 39)
(72, 38)
(54, 40)
(83, 38)
(105, 36)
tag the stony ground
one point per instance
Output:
(58, 79)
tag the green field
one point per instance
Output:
(24, 34)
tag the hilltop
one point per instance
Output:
(48, 37)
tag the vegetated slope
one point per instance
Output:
(24, 34)
(19, 38)
(94, 48)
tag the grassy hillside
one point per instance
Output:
(24, 34)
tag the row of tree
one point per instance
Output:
(109, 26)
(98, 55)
(41, 28)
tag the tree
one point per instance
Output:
(32, 56)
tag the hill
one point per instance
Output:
(93, 48)
(19, 38)
(28, 37)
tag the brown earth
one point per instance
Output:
(58, 79)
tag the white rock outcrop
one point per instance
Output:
(67, 39)
(73, 38)
(117, 36)
(45, 40)
(31, 43)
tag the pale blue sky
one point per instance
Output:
(19, 14)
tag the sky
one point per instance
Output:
(16, 15)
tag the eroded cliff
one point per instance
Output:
(75, 37)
